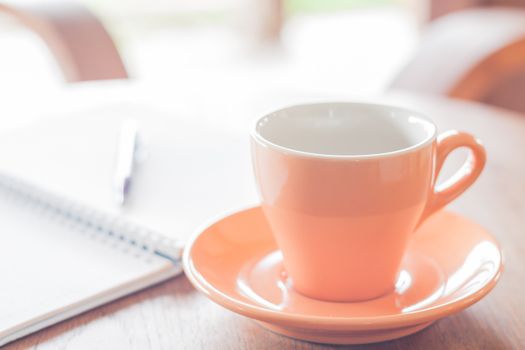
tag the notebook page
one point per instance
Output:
(50, 267)
(188, 175)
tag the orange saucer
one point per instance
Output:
(451, 264)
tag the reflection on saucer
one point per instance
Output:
(420, 283)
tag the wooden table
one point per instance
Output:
(173, 315)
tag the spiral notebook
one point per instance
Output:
(66, 248)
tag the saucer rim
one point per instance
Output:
(263, 314)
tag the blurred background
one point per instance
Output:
(469, 49)
(353, 45)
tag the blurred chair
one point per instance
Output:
(475, 54)
(438, 8)
(79, 42)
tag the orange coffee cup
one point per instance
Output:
(345, 185)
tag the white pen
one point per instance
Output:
(125, 160)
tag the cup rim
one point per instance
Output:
(257, 137)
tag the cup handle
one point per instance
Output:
(466, 175)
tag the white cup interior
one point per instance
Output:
(345, 129)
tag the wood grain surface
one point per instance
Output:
(173, 315)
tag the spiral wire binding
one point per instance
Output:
(113, 226)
